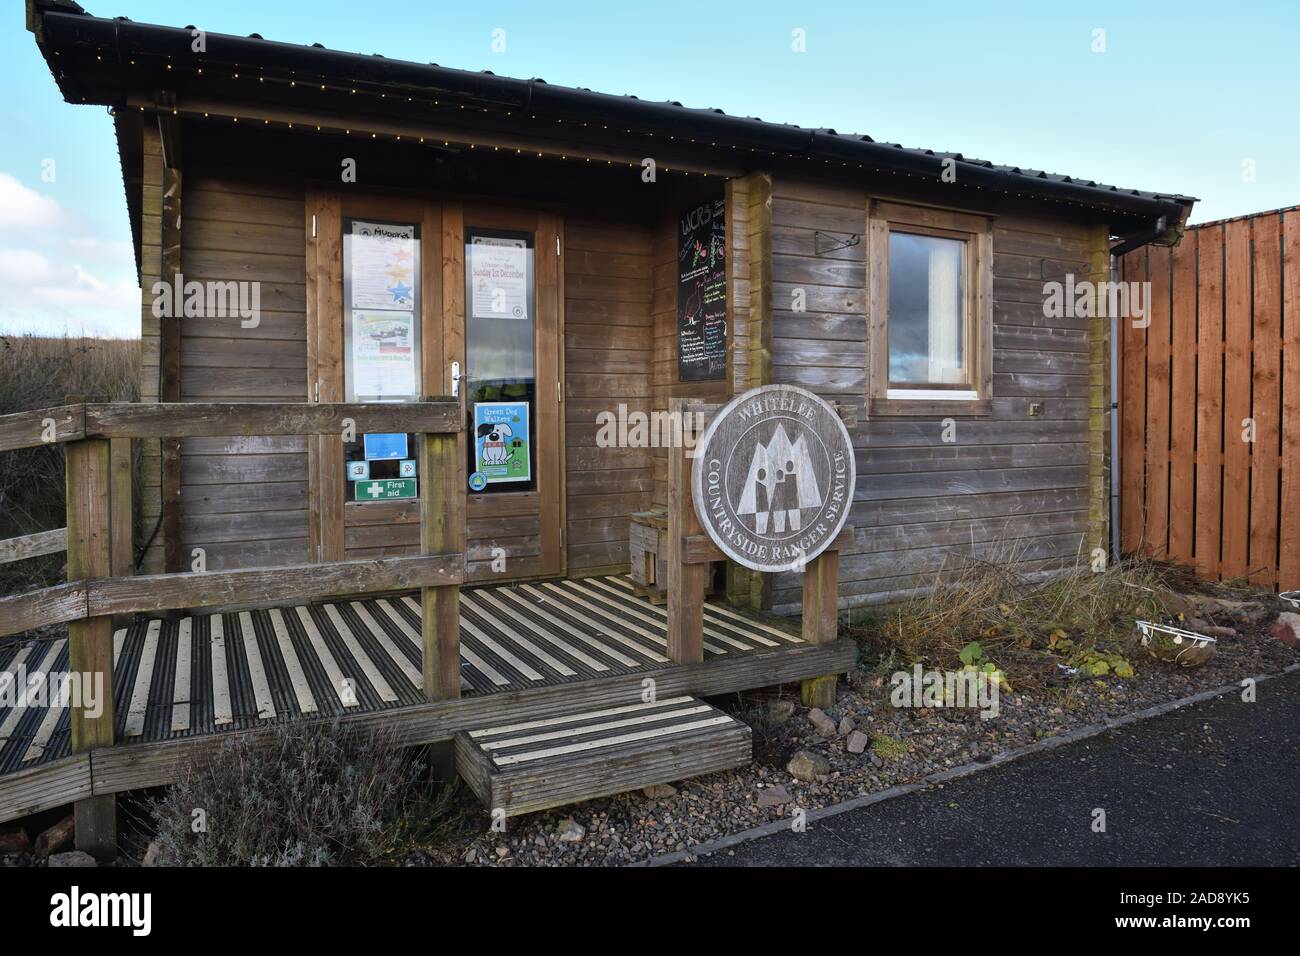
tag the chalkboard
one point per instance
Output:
(702, 293)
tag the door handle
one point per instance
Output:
(455, 380)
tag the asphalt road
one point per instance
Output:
(1214, 784)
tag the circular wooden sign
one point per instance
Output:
(773, 478)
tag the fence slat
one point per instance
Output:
(1236, 398)
(1289, 530)
(33, 545)
(1133, 415)
(1210, 406)
(1182, 403)
(1267, 405)
(1209, 399)
(1156, 532)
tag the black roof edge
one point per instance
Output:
(65, 25)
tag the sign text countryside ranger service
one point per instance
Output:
(773, 478)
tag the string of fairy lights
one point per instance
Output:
(465, 139)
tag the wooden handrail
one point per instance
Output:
(65, 423)
(33, 545)
(42, 426)
(99, 597)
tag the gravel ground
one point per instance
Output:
(906, 745)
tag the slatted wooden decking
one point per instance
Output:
(535, 764)
(203, 675)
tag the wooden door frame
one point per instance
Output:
(442, 334)
(325, 209)
(548, 282)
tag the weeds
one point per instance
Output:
(1022, 626)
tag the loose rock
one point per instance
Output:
(56, 837)
(806, 766)
(822, 722)
(1286, 629)
(780, 710)
(14, 841)
(570, 831)
(857, 742)
(72, 858)
(659, 791)
(776, 796)
(846, 727)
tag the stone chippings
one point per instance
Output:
(807, 759)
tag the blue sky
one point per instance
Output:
(1183, 95)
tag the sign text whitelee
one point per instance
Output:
(773, 478)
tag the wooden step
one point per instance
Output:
(538, 764)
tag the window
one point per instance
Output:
(931, 311)
(500, 359)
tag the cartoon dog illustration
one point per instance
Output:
(493, 436)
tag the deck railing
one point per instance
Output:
(94, 593)
(100, 585)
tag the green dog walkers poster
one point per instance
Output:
(501, 452)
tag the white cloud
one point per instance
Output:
(23, 208)
(37, 295)
(54, 278)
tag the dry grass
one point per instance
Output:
(40, 372)
(1017, 619)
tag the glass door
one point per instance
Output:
(512, 387)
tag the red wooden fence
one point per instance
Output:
(1210, 402)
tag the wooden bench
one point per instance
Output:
(648, 554)
(539, 764)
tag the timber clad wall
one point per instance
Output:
(607, 362)
(1008, 480)
(1220, 358)
(1009, 483)
(150, 272)
(244, 500)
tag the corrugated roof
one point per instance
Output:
(537, 95)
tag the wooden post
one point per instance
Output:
(90, 641)
(821, 621)
(442, 530)
(169, 359)
(685, 581)
(121, 508)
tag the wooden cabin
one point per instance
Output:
(381, 231)
(268, 154)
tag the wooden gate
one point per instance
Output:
(1210, 402)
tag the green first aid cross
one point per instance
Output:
(384, 489)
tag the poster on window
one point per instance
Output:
(501, 444)
(383, 355)
(498, 271)
(382, 267)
